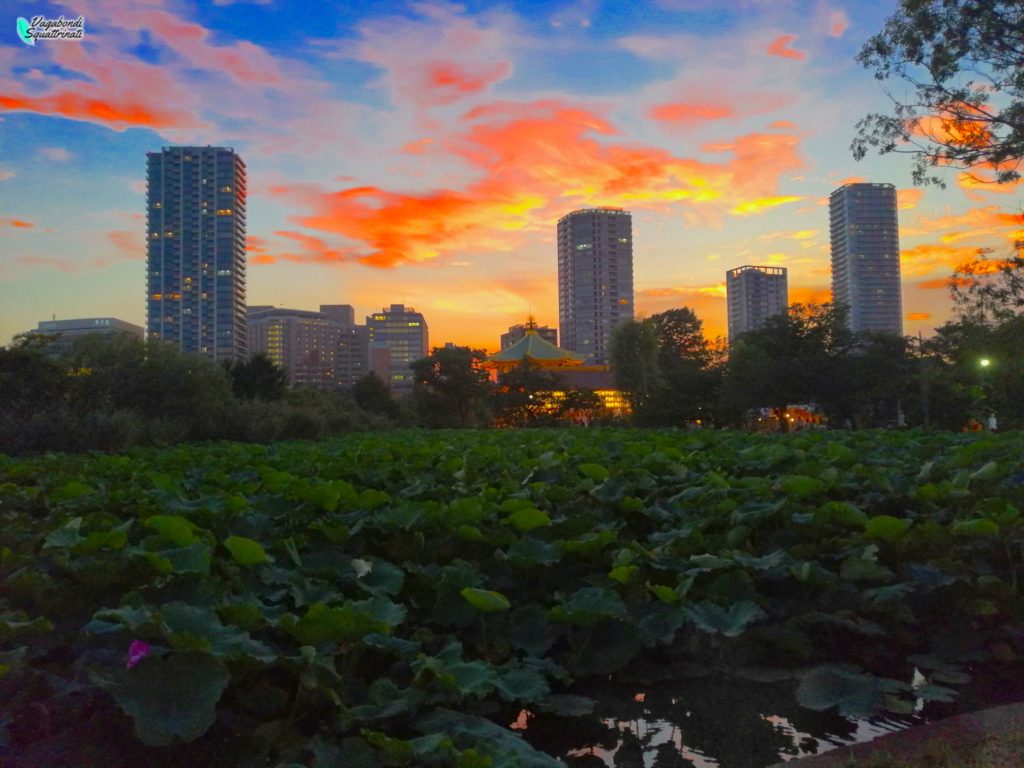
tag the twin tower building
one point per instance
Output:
(196, 263)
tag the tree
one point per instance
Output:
(989, 291)
(258, 379)
(681, 337)
(449, 389)
(690, 379)
(799, 357)
(524, 396)
(882, 374)
(964, 60)
(373, 396)
(635, 361)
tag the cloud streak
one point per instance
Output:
(536, 161)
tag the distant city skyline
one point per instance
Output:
(424, 152)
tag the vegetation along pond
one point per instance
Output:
(620, 597)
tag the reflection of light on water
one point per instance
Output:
(654, 733)
(521, 722)
(867, 730)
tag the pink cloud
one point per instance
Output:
(48, 261)
(838, 23)
(129, 243)
(439, 58)
(780, 47)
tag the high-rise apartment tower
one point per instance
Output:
(864, 231)
(754, 294)
(195, 254)
(595, 279)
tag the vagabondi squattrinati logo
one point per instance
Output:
(42, 28)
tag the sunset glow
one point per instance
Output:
(423, 153)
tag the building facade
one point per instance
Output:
(753, 295)
(66, 331)
(195, 254)
(516, 332)
(595, 279)
(864, 234)
(321, 349)
(396, 336)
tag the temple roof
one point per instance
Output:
(535, 349)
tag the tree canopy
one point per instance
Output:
(964, 61)
(987, 290)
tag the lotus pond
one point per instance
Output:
(502, 598)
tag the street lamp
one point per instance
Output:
(991, 422)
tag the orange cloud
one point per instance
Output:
(708, 302)
(907, 199)
(255, 244)
(417, 147)
(944, 283)
(682, 113)
(256, 248)
(314, 249)
(17, 223)
(984, 266)
(764, 203)
(921, 260)
(950, 129)
(979, 181)
(838, 23)
(798, 235)
(783, 125)
(780, 47)
(919, 316)
(851, 180)
(76, 106)
(973, 223)
(816, 294)
(536, 161)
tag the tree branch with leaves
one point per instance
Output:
(964, 60)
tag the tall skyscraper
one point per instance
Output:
(595, 279)
(864, 231)
(754, 294)
(397, 336)
(195, 256)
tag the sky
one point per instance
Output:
(423, 152)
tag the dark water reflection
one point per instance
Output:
(699, 723)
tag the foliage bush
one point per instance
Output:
(397, 598)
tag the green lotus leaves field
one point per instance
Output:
(400, 598)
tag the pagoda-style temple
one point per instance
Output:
(533, 349)
(567, 366)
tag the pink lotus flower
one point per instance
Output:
(137, 651)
